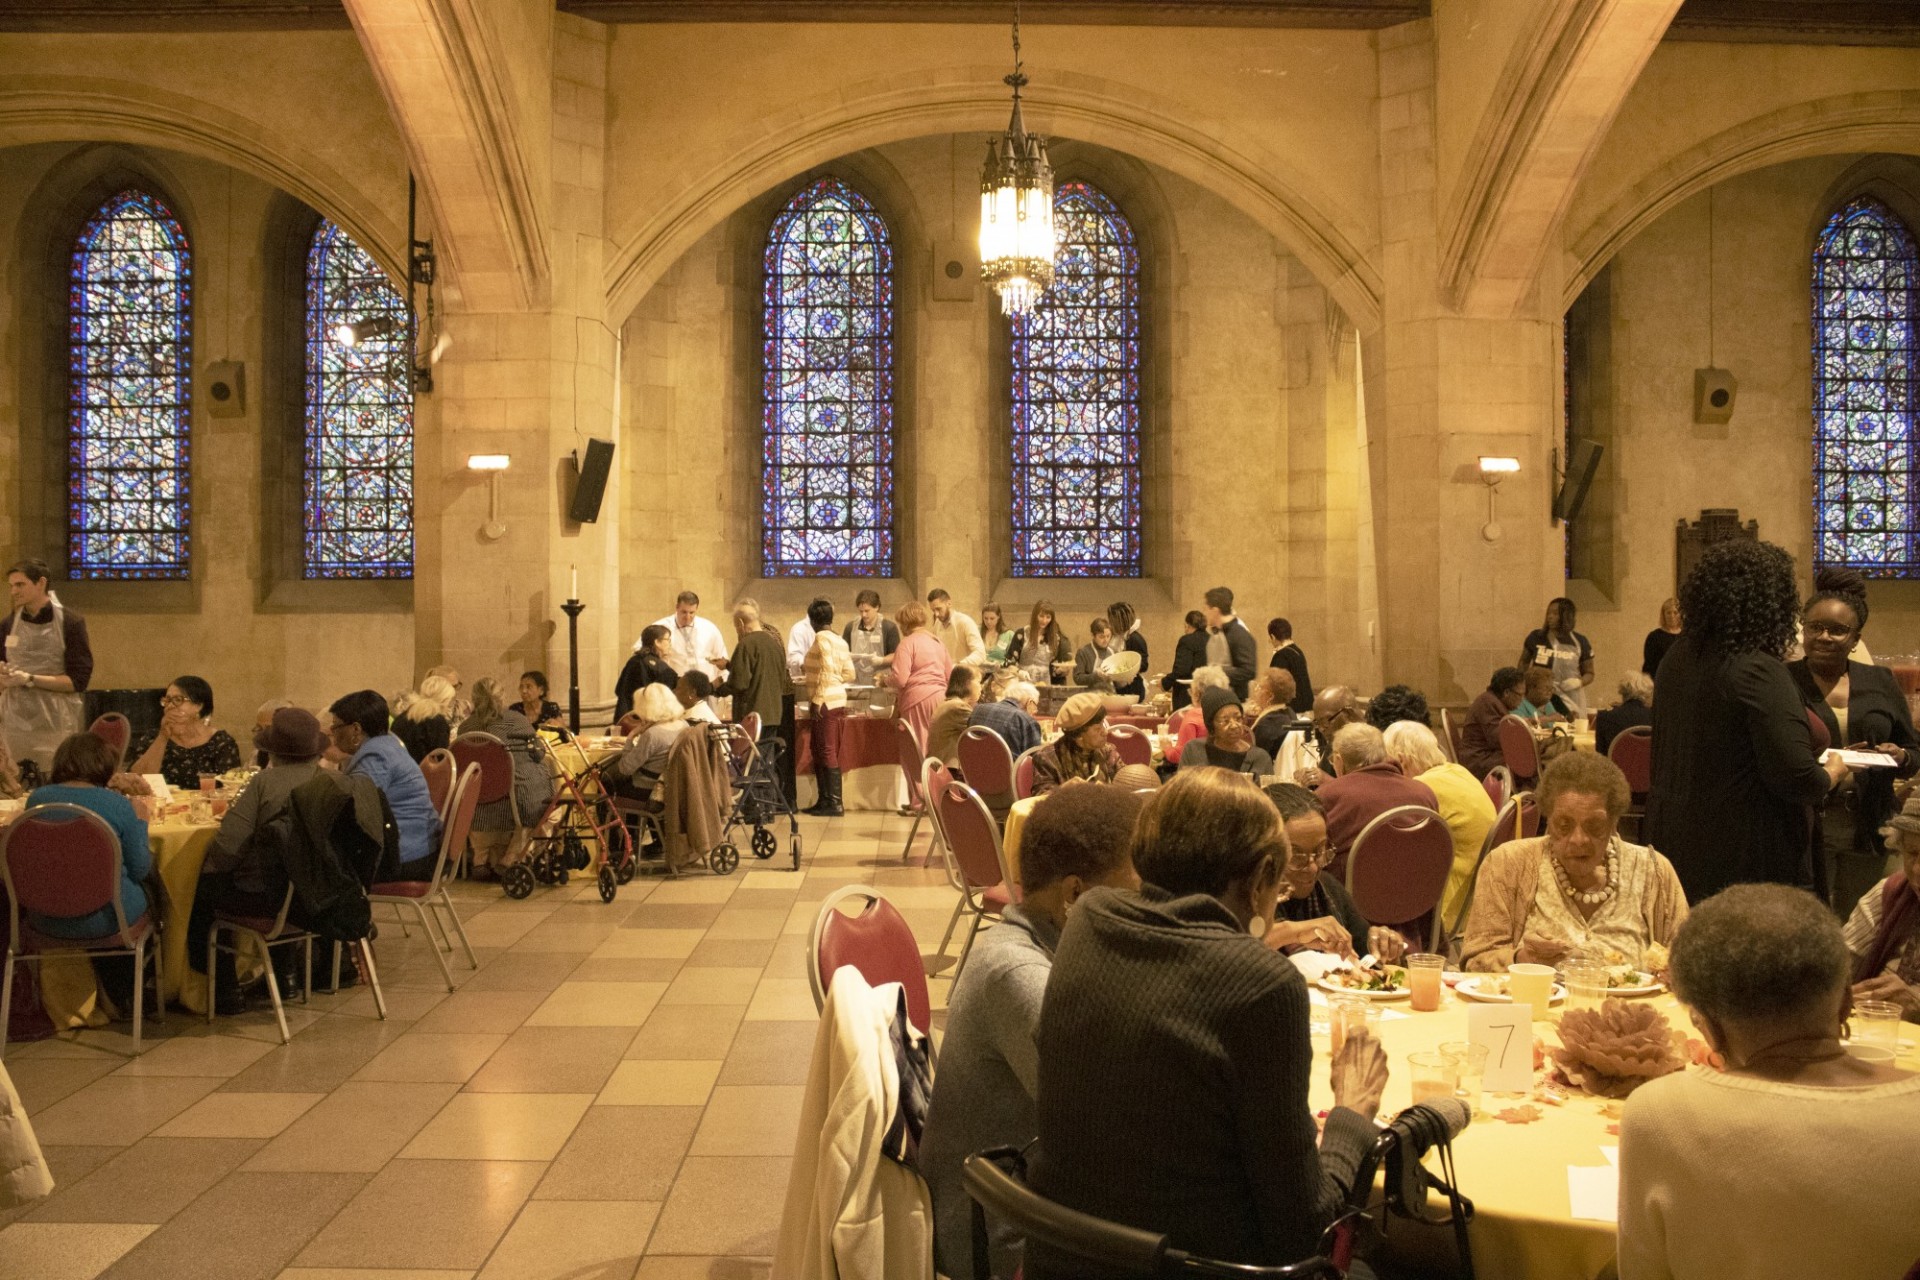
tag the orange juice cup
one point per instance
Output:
(1431, 1075)
(1423, 981)
(209, 781)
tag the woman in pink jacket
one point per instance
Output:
(921, 666)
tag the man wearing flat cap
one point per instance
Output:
(1081, 752)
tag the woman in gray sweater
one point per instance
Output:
(1173, 1048)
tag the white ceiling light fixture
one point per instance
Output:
(1017, 241)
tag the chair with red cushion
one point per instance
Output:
(437, 769)
(61, 861)
(1632, 750)
(1397, 870)
(1499, 785)
(424, 894)
(1449, 735)
(986, 763)
(1520, 750)
(877, 941)
(116, 731)
(496, 780)
(751, 723)
(934, 777)
(1506, 827)
(1023, 774)
(979, 863)
(1133, 744)
(911, 756)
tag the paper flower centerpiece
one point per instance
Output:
(1613, 1050)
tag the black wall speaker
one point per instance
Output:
(225, 385)
(592, 483)
(1713, 395)
(1583, 459)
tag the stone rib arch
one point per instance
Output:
(1273, 193)
(1861, 122)
(67, 109)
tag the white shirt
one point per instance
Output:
(703, 711)
(692, 648)
(799, 640)
(961, 636)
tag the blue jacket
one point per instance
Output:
(1020, 730)
(136, 859)
(385, 760)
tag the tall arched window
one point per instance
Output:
(828, 413)
(1864, 310)
(130, 363)
(1076, 401)
(358, 473)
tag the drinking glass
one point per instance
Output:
(1348, 1012)
(1431, 1075)
(1531, 984)
(209, 781)
(1876, 1030)
(1586, 983)
(1423, 981)
(1469, 1063)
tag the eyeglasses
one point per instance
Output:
(175, 700)
(1298, 859)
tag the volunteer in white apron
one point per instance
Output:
(40, 707)
(1564, 651)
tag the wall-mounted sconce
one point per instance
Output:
(1492, 471)
(493, 464)
(355, 332)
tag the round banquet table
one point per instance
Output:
(1515, 1174)
(68, 992)
(870, 776)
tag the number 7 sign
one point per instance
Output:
(1507, 1032)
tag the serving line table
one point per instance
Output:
(1515, 1174)
(870, 776)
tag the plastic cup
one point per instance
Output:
(1876, 1030)
(1469, 1062)
(1531, 984)
(1345, 1013)
(1586, 983)
(208, 782)
(1431, 1075)
(1423, 981)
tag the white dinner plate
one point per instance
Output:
(1332, 986)
(1470, 989)
(1647, 988)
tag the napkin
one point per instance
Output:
(1594, 1192)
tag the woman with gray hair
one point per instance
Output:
(1190, 721)
(1634, 708)
(1883, 933)
(1578, 890)
(493, 826)
(1782, 1158)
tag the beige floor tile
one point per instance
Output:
(781, 880)
(320, 1059)
(197, 1053)
(799, 919)
(150, 1181)
(526, 971)
(571, 1238)
(660, 1084)
(698, 890)
(500, 1012)
(41, 1082)
(500, 1126)
(404, 1004)
(553, 1060)
(250, 1225)
(682, 915)
(770, 1053)
(118, 1111)
(421, 1057)
(621, 1153)
(64, 1251)
(650, 944)
(260, 1024)
(782, 1000)
(598, 1004)
(713, 986)
(789, 958)
(357, 1129)
(747, 924)
(70, 1164)
(600, 969)
(687, 1031)
(548, 937)
(495, 928)
(732, 953)
(239, 1115)
(766, 899)
(669, 1267)
(749, 1120)
(753, 1188)
(446, 1214)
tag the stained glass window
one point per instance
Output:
(827, 451)
(1864, 304)
(358, 485)
(130, 363)
(1076, 401)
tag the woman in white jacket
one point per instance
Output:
(24, 1175)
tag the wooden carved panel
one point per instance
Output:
(1692, 538)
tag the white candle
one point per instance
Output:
(574, 592)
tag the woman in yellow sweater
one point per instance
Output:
(1464, 804)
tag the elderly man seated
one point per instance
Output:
(1634, 709)
(1334, 708)
(637, 771)
(1012, 717)
(1778, 1159)
(1081, 752)
(1883, 933)
(1579, 890)
(1480, 751)
(1369, 784)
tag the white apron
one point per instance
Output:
(37, 721)
(1563, 658)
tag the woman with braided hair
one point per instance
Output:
(1858, 705)
(1736, 774)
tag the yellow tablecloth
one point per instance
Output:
(68, 993)
(1010, 834)
(1515, 1174)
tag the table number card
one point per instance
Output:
(1507, 1032)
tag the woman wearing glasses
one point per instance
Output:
(188, 745)
(1317, 914)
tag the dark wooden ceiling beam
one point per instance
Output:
(1864, 22)
(1170, 13)
(132, 16)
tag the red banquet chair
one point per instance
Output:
(430, 897)
(1023, 774)
(1520, 750)
(987, 765)
(1499, 785)
(911, 756)
(437, 769)
(116, 731)
(60, 860)
(496, 778)
(1397, 869)
(877, 941)
(979, 863)
(1132, 742)
(1632, 750)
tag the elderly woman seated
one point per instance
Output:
(1229, 741)
(1201, 1128)
(1317, 913)
(1081, 751)
(1541, 704)
(636, 773)
(495, 834)
(1578, 890)
(1271, 704)
(1883, 933)
(1190, 721)
(1781, 1158)
(1634, 709)
(1464, 804)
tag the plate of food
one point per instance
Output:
(1389, 982)
(1625, 980)
(1491, 988)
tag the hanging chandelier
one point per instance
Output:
(1016, 206)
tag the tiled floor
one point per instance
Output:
(613, 1094)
